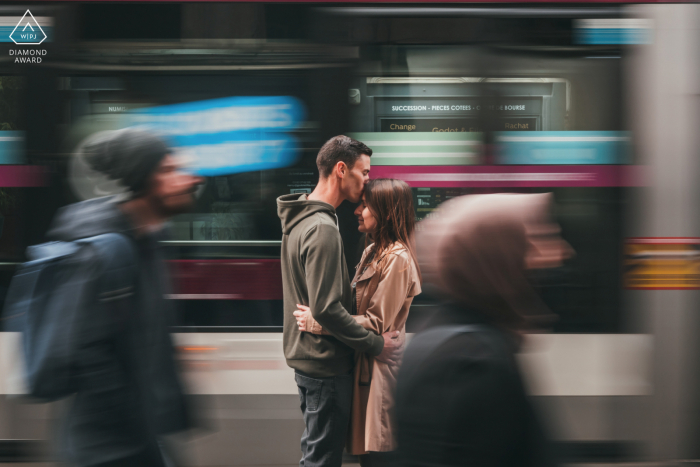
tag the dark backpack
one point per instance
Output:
(50, 297)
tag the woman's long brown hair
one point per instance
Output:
(391, 203)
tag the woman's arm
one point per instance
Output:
(306, 321)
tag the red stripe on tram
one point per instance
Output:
(227, 279)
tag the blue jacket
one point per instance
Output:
(129, 391)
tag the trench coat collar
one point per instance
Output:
(371, 270)
(367, 274)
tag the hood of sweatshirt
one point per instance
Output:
(89, 218)
(294, 208)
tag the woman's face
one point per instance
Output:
(368, 223)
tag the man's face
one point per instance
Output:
(172, 188)
(353, 183)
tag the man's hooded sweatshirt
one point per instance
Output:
(314, 274)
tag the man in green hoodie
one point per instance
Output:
(314, 274)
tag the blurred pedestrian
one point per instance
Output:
(314, 274)
(385, 282)
(460, 396)
(128, 391)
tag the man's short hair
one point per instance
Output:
(340, 148)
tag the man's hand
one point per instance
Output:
(391, 354)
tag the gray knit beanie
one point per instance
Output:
(129, 155)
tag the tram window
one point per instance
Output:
(449, 114)
(585, 292)
(226, 210)
(230, 207)
(243, 206)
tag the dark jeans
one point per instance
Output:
(325, 403)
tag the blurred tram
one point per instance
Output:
(454, 100)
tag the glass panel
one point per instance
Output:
(458, 120)
(231, 206)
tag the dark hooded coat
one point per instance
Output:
(465, 402)
(129, 391)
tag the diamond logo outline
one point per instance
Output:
(36, 23)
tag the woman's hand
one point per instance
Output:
(306, 322)
(304, 318)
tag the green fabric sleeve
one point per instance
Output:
(322, 249)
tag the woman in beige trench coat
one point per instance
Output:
(385, 283)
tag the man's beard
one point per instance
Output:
(167, 211)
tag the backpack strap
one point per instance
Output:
(119, 263)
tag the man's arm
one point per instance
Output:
(322, 249)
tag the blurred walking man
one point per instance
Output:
(314, 274)
(128, 390)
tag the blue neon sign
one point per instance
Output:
(229, 135)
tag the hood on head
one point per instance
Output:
(294, 208)
(475, 248)
(87, 219)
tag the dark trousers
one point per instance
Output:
(325, 403)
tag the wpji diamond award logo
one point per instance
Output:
(28, 31)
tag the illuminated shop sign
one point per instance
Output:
(563, 147)
(424, 106)
(603, 31)
(671, 263)
(279, 113)
(229, 135)
(455, 125)
(433, 125)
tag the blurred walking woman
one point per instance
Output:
(384, 285)
(461, 399)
